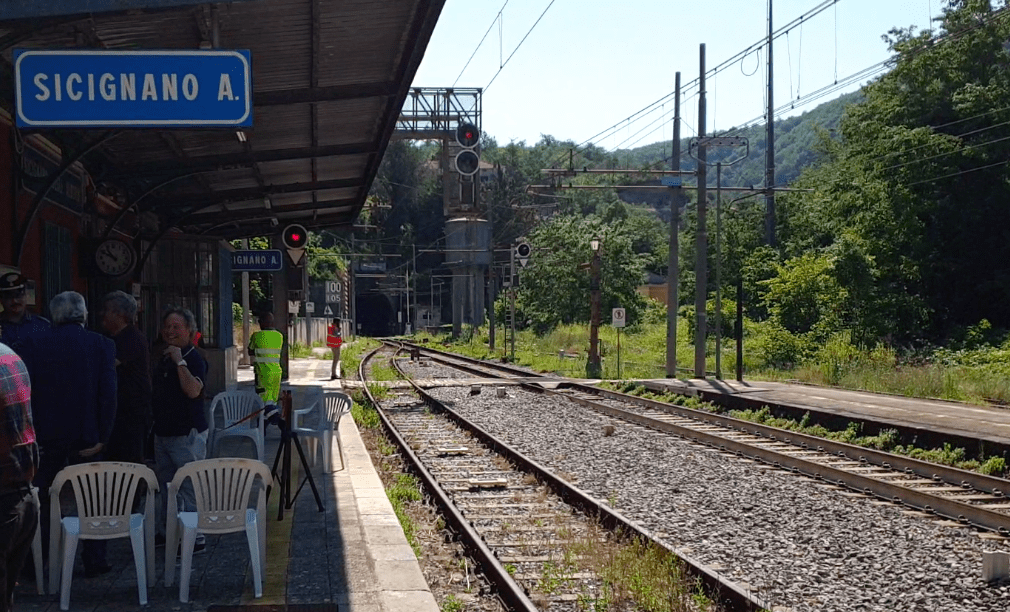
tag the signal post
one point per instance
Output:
(293, 239)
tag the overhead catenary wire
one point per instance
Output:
(686, 88)
(872, 71)
(866, 73)
(959, 173)
(502, 67)
(879, 67)
(497, 19)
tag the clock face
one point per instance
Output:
(114, 257)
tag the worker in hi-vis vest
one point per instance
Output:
(334, 340)
(265, 347)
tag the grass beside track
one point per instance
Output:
(979, 376)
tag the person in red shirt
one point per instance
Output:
(19, 457)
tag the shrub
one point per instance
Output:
(777, 347)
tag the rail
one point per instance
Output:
(729, 594)
(919, 477)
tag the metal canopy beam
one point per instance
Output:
(236, 215)
(208, 163)
(324, 94)
(30, 9)
(262, 228)
(249, 193)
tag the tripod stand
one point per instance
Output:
(283, 458)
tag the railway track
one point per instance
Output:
(958, 495)
(516, 518)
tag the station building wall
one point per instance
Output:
(193, 272)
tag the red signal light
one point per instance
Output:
(467, 135)
(295, 236)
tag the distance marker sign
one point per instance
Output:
(100, 88)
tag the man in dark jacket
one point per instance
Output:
(73, 374)
(133, 368)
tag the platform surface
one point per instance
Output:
(353, 554)
(982, 422)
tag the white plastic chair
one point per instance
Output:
(105, 492)
(222, 488)
(235, 406)
(333, 405)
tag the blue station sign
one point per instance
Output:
(261, 260)
(97, 88)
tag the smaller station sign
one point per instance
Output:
(261, 260)
(101, 88)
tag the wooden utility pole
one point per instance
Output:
(701, 241)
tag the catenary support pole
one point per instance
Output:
(701, 239)
(512, 302)
(490, 276)
(718, 270)
(739, 328)
(770, 142)
(306, 297)
(673, 263)
(354, 301)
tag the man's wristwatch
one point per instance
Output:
(181, 362)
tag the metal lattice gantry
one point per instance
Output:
(434, 112)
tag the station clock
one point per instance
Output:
(114, 257)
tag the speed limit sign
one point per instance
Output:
(617, 315)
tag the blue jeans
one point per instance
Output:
(170, 454)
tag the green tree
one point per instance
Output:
(555, 288)
(805, 296)
(911, 201)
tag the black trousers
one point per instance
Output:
(18, 520)
(127, 443)
(54, 455)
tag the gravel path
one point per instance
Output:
(801, 545)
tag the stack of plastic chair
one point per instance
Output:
(333, 406)
(222, 488)
(105, 493)
(236, 406)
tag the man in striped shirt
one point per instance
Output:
(19, 456)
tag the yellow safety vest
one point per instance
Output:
(267, 345)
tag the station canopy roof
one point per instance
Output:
(329, 80)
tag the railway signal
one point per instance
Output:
(523, 252)
(467, 160)
(467, 135)
(295, 237)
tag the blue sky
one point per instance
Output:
(590, 64)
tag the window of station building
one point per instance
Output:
(182, 274)
(57, 264)
(207, 262)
